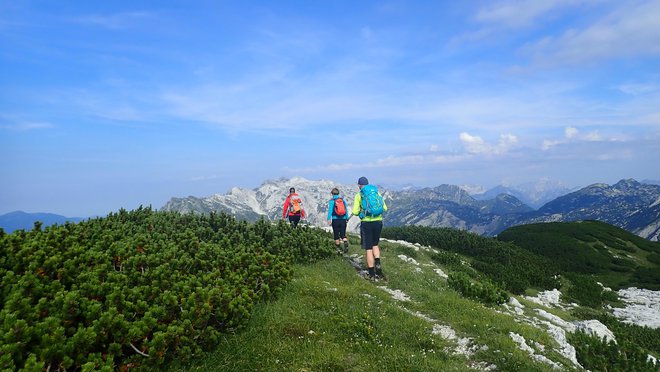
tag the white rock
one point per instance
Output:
(643, 307)
(570, 327)
(595, 328)
(397, 294)
(441, 273)
(547, 298)
(411, 260)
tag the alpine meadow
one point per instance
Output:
(147, 290)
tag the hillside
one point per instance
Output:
(145, 290)
(421, 318)
(614, 256)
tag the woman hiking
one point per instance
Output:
(338, 218)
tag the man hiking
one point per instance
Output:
(293, 208)
(369, 205)
(338, 216)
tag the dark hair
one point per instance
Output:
(335, 191)
(292, 190)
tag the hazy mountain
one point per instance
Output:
(534, 194)
(21, 220)
(628, 204)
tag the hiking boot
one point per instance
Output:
(379, 270)
(344, 246)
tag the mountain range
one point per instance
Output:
(628, 204)
(12, 221)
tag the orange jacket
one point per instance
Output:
(287, 203)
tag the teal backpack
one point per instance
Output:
(372, 201)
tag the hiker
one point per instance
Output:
(369, 205)
(293, 208)
(338, 218)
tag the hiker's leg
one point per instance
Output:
(367, 239)
(378, 228)
(376, 251)
(336, 231)
(369, 256)
(341, 226)
(294, 220)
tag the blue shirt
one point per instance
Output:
(331, 209)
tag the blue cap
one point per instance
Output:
(363, 181)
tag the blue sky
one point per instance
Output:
(112, 104)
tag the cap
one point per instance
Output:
(363, 181)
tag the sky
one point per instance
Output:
(116, 104)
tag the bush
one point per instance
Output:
(599, 355)
(486, 291)
(137, 288)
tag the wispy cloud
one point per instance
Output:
(630, 30)
(473, 146)
(572, 134)
(635, 89)
(516, 14)
(27, 126)
(391, 161)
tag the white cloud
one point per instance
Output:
(476, 145)
(548, 144)
(570, 132)
(593, 136)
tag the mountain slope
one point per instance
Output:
(329, 318)
(628, 204)
(618, 258)
(21, 220)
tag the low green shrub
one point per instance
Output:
(137, 288)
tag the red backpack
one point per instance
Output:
(340, 207)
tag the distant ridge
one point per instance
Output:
(17, 220)
(628, 204)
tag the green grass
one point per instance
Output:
(330, 319)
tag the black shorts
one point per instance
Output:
(339, 228)
(370, 232)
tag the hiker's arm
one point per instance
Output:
(356, 204)
(331, 207)
(286, 207)
(384, 205)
